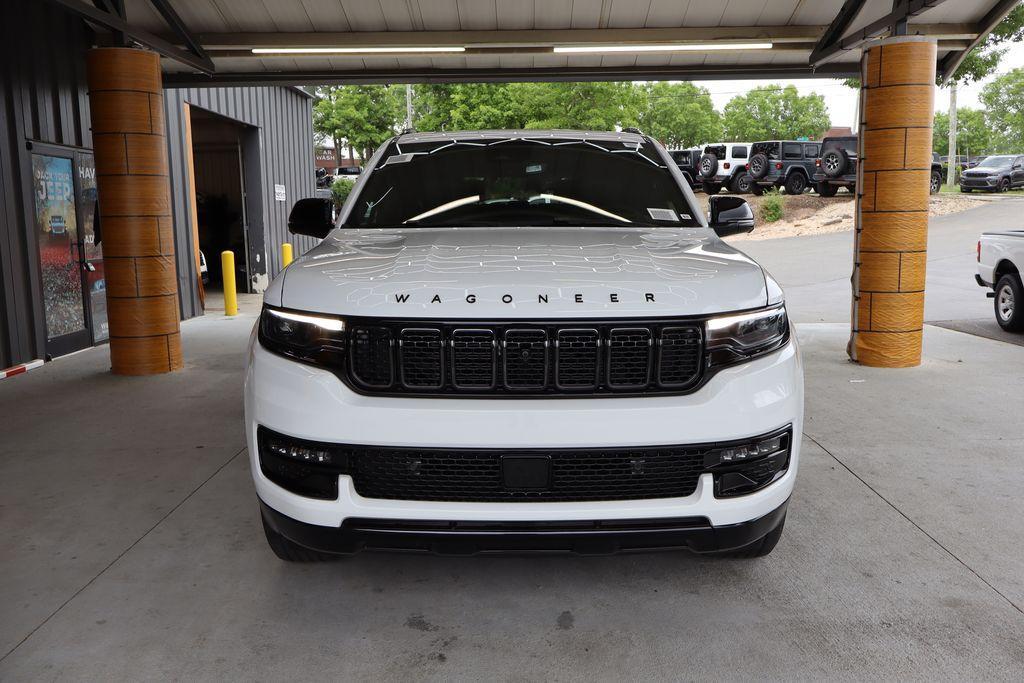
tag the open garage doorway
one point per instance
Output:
(221, 154)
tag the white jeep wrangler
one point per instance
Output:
(522, 341)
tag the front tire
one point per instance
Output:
(827, 189)
(712, 188)
(796, 183)
(741, 183)
(756, 190)
(1009, 303)
(1004, 185)
(936, 183)
(289, 551)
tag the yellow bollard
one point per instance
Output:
(286, 254)
(227, 265)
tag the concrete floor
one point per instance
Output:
(132, 548)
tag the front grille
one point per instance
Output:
(527, 359)
(476, 476)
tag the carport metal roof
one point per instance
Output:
(224, 42)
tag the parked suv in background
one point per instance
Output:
(998, 173)
(523, 340)
(783, 163)
(837, 165)
(686, 160)
(725, 165)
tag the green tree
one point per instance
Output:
(1004, 104)
(585, 106)
(973, 135)
(469, 106)
(363, 115)
(679, 114)
(773, 113)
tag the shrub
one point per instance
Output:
(772, 208)
(340, 189)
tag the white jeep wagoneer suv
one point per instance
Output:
(521, 341)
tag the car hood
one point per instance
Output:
(530, 272)
(975, 172)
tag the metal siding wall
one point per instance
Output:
(284, 122)
(43, 97)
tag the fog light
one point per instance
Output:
(307, 468)
(745, 452)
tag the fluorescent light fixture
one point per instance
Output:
(352, 50)
(672, 47)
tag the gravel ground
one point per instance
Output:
(810, 214)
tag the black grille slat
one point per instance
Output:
(371, 357)
(474, 359)
(681, 354)
(526, 359)
(629, 357)
(536, 359)
(475, 476)
(421, 358)
(577, 355)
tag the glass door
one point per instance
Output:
(61, 263)
(92, 248)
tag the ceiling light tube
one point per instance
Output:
(673, 47)
(352, 50)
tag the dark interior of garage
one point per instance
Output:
(219, 163)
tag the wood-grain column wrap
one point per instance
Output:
(890, 247)
(126, 100)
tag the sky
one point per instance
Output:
(841, 100)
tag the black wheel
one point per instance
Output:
(827, 189)
(759, 166)
(1004, 185)
(290, 551)
(936, 183)
(759, 548)
(708, 165)
(756, 190)
(712, 188)
(796, 183)
(1008, 303)
(741, 183)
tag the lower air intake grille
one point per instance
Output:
(576, 475)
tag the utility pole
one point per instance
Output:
(951, 166)
(408, 106)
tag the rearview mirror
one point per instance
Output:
(730, 216)
(311, 216)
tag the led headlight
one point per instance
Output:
(735, 338)
(311, 338)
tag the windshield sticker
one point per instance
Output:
(664, 214)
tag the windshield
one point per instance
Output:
(521, 182)
(994, 162)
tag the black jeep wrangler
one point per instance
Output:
(782, 163)
(686, 160)
(837, 165)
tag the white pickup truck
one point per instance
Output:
(1000, 262)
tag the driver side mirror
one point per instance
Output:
(311, 216)
(730, 216)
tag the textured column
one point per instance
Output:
(129, 139)
(890, 246)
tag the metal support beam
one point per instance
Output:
(180, 28)
(834, 33)
(144, 38)
(432, 75)
(951, 62)
(873, 30)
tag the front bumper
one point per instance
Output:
(470, 538)
(979, 183)
(739, 402)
